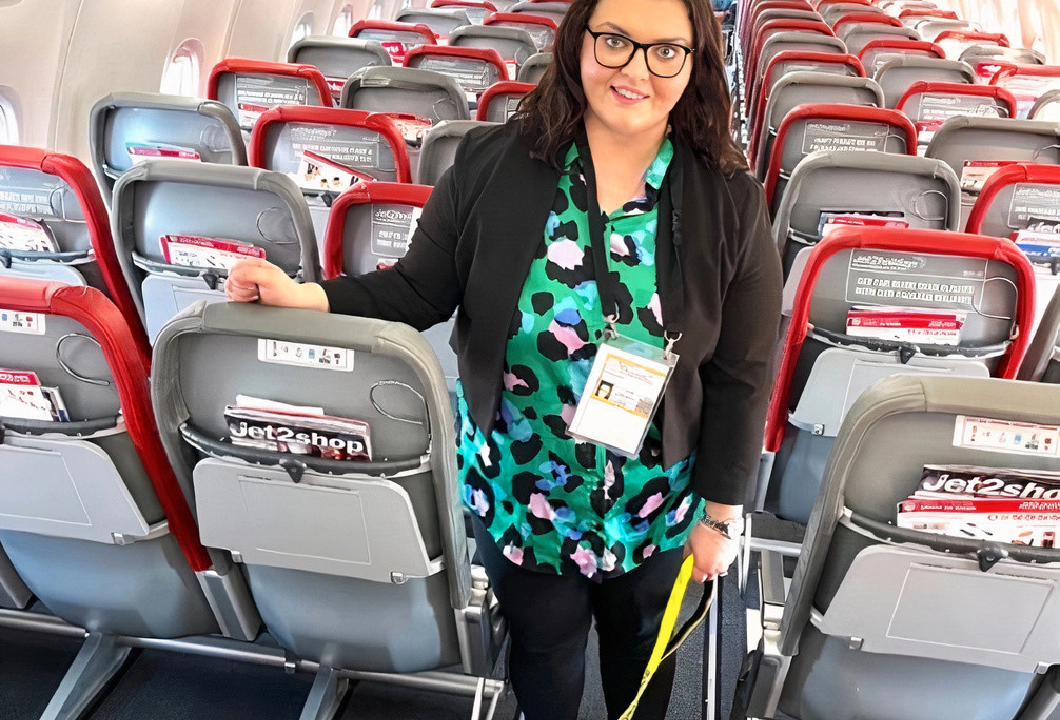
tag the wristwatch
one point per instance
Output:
(731, 528)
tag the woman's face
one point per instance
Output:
(631, 102)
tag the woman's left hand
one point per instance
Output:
(713, 553)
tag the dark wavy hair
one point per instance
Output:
(552, 112)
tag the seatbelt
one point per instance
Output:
(666, 643)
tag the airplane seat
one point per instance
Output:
(475, 69)
(325, 150)
(756, 88)
(916, 192)
(876, 52)
(778, 61)
(126, 128)
(834, 12)
(898, 74)
(370, 228)
(753, 61)
(987, 59)
(1027, 83)
(514, 44)
(885, 622)
(53, 202)
(976, 147)
(337, 58)
(1021, 202)
(93, 520)
(534, 68)
(749, 23)
(396, 38)
(821, 126)
(931, 28)
(356, 565)
(1042, 363)
(827, 361)
(555, 10)
(1046, 107)
(477, 10)
(500, 101)
(929, 104)
(439, 148)
(417, 98)
(442, 21)
(955, 42)
(858, 35)
(541, 28)
(178, 227)
(250, 87)
(801, 87)
(425, 93)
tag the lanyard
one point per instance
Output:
(668, 237)
(666, 643)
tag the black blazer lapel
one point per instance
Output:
(517, 197)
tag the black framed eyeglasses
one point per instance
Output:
(612, 50)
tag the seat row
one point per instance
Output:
(852, 606)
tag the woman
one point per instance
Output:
(631, 118)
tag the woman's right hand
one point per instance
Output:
(257, 280)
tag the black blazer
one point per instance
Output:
(478, 235)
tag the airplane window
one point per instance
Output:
(182, 74)
(376, 13)
(8, 130)
(343, 22)
(303, 29)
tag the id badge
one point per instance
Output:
(625, 385)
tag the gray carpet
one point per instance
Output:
(158, 685)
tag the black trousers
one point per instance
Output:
(549, 617)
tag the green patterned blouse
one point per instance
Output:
(553, 504)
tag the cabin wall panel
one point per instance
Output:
(34, 37)
(209, 22)
(117, 45)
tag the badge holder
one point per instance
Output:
(620, 398)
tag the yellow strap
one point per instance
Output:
(665, 644)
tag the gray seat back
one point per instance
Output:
(124, 128)
(425, 93)
(358, 565)
(441, 20)
(439, 148)
(806, 86)
(248, 205)
(836, 11)
(248, 93)
(794, 40)
(338, 58)
(857, 35)
(1046, 107)
(514, 45)
(473, 74)
(896, 75)
(921, 192)
(534, 68)
(50, 201)
(1028, 89)
(1023, 56)
(371, 227)
(1042, 362)
(932, 27)
(834, 366)
(962, 142)
(80, 520)
(816, 131)
(873, 58)
(554, 11)
(863, 651)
